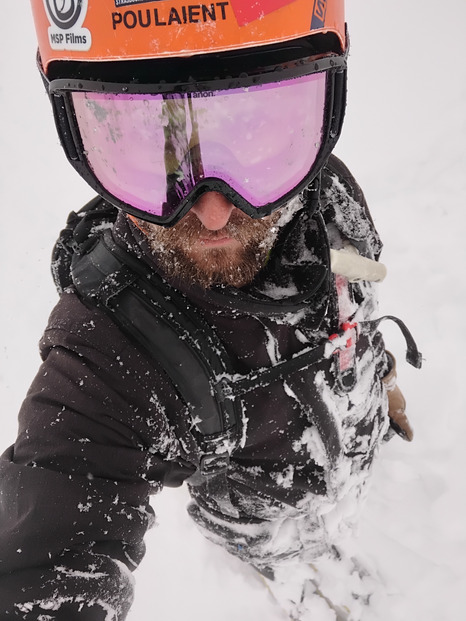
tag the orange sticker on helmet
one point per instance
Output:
(97, 30)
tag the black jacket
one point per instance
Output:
(102, 427)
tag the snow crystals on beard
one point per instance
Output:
(213, 266)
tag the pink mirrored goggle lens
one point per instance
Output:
(151, 150)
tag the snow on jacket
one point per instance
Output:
(102, 428)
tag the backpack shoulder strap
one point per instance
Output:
(80, 230)
(160, 320)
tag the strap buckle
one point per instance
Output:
(214, 464)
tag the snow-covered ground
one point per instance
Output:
(404, 140)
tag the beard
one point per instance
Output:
(180, 258)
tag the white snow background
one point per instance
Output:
(404, 139)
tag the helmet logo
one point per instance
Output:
(64, 13)
(318, 14)
(66, 18)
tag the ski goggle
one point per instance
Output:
(153, 150)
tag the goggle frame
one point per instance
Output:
(61, 89)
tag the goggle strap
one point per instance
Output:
(338, 103)
(61, 113)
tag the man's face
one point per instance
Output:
(215, 243)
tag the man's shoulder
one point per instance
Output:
(78, 326)
(337, 176)
(344, 205)
(337, 166)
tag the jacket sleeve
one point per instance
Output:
(74, 488)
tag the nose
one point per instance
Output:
(213, 210)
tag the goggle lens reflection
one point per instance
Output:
(151, 150)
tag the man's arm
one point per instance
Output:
(74, 488)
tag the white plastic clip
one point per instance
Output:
(349, 263)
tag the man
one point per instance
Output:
(200, 336)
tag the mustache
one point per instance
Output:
(190, 229)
